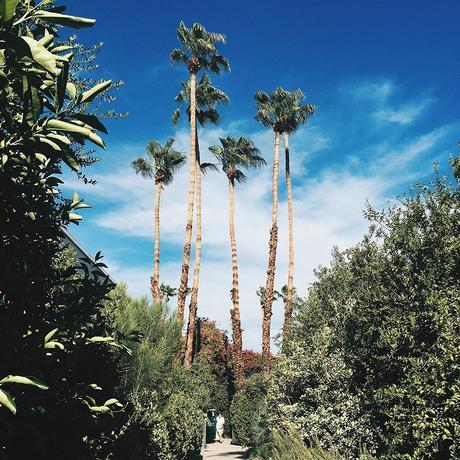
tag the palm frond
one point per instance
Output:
(142, 167)
(234, 153)
(240, 176)
(177, 56)
(206, 167)
(175, 117)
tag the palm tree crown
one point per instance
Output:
(198, 49)
(234, 153)
(282, 110)
(207, 97)
(161, 163)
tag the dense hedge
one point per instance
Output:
(374, 360)
(248, 413)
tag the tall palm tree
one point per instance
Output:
(207, 98)
(198, 52)
(297, 115)
(273, 111)
(161, 163)
(232, 155)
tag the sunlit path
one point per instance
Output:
(225, 450)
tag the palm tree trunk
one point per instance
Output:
(193, 308)
(156, 259)
(288, 298)
(191, 197)
(273, 242)
(235, 312)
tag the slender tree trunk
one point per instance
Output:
(156, 259)
(272, 245)
(235, 312)
(193, 308)
(191, 197)
(290, 284)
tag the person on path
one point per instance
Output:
(220, 427)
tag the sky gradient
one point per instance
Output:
(384, 76)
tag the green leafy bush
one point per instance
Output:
(374, 358)
(287, 444)
(311, 388)
(184, 422)
(53, 327)
(248, 413)
(167, 402)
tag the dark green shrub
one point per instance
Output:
(247, 413)
(184, 422)
(53, 327)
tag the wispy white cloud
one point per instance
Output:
(380, 98)
(405, 114)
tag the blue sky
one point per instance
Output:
(384, 76)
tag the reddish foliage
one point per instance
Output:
(252, 362)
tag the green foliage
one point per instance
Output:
(287, 444)
(235, 154)
(207, 98)
(248, 413)
(166, 402)
(311, 388)
(184, 424)
(162, 162)
(378, 337)
(282, 110)
(199, 49)
(150, 331)
(54, 333)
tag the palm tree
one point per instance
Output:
(207, 98)
(273, 111)
(198, 52)
(298, 115)
(232, 155)
(161, 163)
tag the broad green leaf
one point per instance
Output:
(103, 409)
(72, 216)
(95, 139)
(82, 205)
(64, 19)
(24, 381)
(47, 39)
(32, 102)
(70, 160)
(61, 84)
(49, 142)
(53, 344)
(74, 128)
(7, 401)
(59, 137)
(91, 120)
(111, 401)
(71, 89)
(7, 8)
(94, 386)
(60, 49)
(41, 55)
(89, 95)
(41, 158)
(50, 334)
(99, 339)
